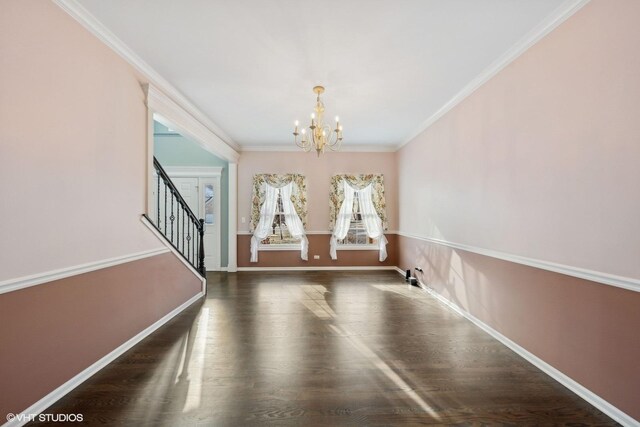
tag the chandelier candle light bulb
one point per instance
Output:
(321, 136)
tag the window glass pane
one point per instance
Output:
(208, 204)
(279, 231)
(357, 234)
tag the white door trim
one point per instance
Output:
(233, 218)
(194, 171)
(204, 174)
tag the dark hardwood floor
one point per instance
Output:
(322, 349)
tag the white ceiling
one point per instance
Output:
(388, 65)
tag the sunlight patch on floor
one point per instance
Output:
(310, 298)
(195, 365)
(384, 368)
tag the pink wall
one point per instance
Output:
(73, 144)
(52, 332)
(542, 160)
(318, 172)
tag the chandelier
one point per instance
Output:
(320, 136)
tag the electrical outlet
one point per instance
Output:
(316, 257)
(243, 220)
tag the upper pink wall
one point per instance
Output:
(542, 160)
(318, 171)
(72, 145)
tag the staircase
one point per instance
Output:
(176, 222)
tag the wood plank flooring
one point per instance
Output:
(322, 349)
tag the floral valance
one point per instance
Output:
(298, 196)
(358, 182)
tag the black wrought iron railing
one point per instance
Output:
(176, 221)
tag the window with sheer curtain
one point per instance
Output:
(279, 213)
(357, 234)
(357, 213)
(280, 234)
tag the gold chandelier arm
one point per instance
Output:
(306, 146)
(335, 145)
(333, 139)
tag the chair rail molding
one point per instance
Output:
(628, 283)
(62, 273)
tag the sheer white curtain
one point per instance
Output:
(293, 221)
(343, 221)
(267, 212)
(371, 220)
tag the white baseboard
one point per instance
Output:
(49, 276)
(42, 404)
(354, 268)
(595, 400)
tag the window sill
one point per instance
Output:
(279, 247)
(357, 247)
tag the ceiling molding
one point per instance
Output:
(554, 19)
(360, 148)
(166, 110)
(95, 27)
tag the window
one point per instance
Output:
(357, 234)
(209, 213)
(357, 210)
(279, 231)
(278, 214)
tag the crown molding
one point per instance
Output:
(360, 148)
(557, 17)
(166, 110)
(95, 27)
(91, 23)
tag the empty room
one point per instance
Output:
(319, 212)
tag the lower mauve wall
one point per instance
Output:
(318, 245)
(587, 330)
(49, 333)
